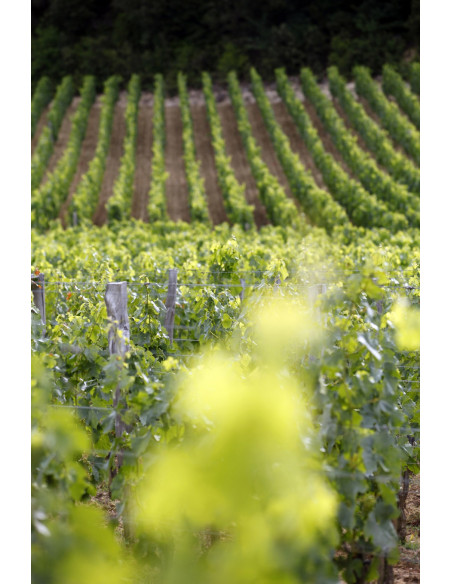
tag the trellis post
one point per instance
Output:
(38, 289)
(170, 302)
(118, 338)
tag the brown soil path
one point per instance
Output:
(206, 155)
(87, 152)
(407, 569)
(143, 158)
(62, 140)
(268, 153)
(113, 162)
(176, 185)
(39, 127)
(297, 143)
(239, 162)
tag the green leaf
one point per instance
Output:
(226, 321)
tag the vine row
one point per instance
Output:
(415, 78)
(196, 191)
(319, 205)
(394, 85)
(280, 209)
(376, 139)
(398, 126)
(397, 197)
(237, 209)
(86, 196)
(41, 97)
(363, 208)
(157, 199)
(46, 201)
(49, 135)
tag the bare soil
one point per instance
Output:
(62, 140)
(113, 161)
(239, 162)
(87, 152)
(206, 156)
(297, 144)
(176, 185)
(268, 153)
(39, 127)
(143, 158)
(407, 570)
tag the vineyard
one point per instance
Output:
(225, 330)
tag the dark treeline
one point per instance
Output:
(103, 37)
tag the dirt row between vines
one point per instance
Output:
(206, 156)
(239, 162)
(113, 162)
(143, 161)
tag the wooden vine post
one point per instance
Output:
(38, 289)
(118, 339)
(170, 302)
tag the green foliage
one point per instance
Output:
(47, 199)
(49, 135)
(396, 196)
(117, 37)
(415, 78)
(319, 205)
(196, 191)
(242, 470)
(86, 196)
(363, 208)
(332, 366)
(376, 139)
(232, 59)
(120, 203)
(237, 209)
(398, 126)
(280, 209)
(41, 97)
(394, 85)
(157, 200)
